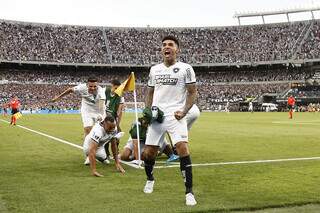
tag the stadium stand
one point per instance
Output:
(140, 46)
(232, 64)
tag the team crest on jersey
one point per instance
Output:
(165, 80)
(176, 69)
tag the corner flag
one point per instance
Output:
(127, 85)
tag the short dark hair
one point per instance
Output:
(92, 79)
(172, 38)
(109, 118)
(115, 82)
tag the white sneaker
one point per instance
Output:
(148, 188)
(106, 161)
(136, 162)
(87, 161)
(119, 135)
(190, 200)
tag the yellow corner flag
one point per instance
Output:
(127, 85)
(17, 115)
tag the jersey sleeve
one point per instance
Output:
(190, 75)
(151, 81)
(79, 88)
(96, 135)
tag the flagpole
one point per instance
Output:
(137, 124)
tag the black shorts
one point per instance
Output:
(14, 111)
(290, 107)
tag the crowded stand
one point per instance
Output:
(51, 43)
(62, 44)
(36, 88)
(140, 46)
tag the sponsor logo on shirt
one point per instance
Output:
(165, 80)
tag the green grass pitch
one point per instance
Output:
(38, 174)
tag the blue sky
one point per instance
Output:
(155, 13)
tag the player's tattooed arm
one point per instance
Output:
(64, 93)
(191, 97)
(149, 97)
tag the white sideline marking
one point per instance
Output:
(297, 122)
(165, 162)
(63, 141)
(244, 162)
(176, 165)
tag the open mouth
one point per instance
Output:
(166, 53)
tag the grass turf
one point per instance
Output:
(40, 175)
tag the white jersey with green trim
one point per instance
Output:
(170, 91)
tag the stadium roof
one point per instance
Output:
(276, 12)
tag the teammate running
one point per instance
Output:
(92, 103)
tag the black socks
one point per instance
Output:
(148, 167)
(186, 171)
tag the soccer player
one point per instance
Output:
(250, 109)
(14, 105)
(93, 146)
(92, 103)
(172, 88)
(114, 105)
(227, 107)
(291, 103)
(130, 151)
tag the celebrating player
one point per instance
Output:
(92, 103)
(291, 103)
(93, 146)
(171, 88)
(14, 105)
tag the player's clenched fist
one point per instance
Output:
(179, 115)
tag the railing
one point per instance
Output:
(214, 59)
